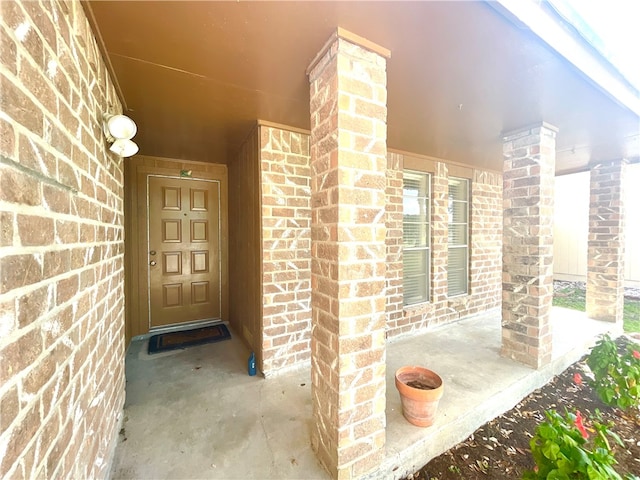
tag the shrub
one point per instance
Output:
(562, 451)
(616, 374)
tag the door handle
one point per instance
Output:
(152, 263)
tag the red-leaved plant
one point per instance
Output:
(577, 378)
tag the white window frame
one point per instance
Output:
(412, 244)
(458, 277)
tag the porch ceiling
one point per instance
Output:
(196, 75)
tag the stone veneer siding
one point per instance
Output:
(485, 252)
(348, 164)
(283, 321)
(286, 248)
(605, 247)
(61, 248)
(529, 176)
(394, 221)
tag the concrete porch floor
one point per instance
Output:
(195, 413)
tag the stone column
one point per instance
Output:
(527, 263)
(605, 248)
(348, 167)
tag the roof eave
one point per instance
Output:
(548, 26)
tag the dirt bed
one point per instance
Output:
(500, 449)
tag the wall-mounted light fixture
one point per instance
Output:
(119, 130)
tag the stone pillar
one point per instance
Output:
(605, 250)
(348, 167)
(527, 263)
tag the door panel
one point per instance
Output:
(184, 250)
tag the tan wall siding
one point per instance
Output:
(286, 247)
(632, 224)
(485, 247)
(61, 248)
(245, 306)
(571, 229)
(572, 226)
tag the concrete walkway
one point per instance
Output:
(195, 413)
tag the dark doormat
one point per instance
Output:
(188, 338)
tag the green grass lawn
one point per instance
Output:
(574, 298)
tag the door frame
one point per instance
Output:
(137, 171)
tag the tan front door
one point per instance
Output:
(184, 250)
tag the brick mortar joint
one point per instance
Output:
(52, 117)
(51, 314)
(87, 60)
(75, 380)
(35, 174)
(16, 379)
(76, 432)
(369, 100)
(25, 290)
(59, 156)
(40, 211)
(58, 247)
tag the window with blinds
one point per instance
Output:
(458, 268)
(416, 208)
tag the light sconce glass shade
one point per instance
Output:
(119, 130)
(124, 147)
(119, 127)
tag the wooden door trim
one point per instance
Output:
(136, 285)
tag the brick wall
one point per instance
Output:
(485, 287)
(61, 250)
(606, 244)
(486, 241)
(348, 231)
(527, 270)
(393, 220)
(286, 248)
(286, 333)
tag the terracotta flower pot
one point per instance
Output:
(420, 391)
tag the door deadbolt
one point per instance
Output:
(152, 263)
(152, 252)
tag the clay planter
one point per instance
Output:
(420, 391)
